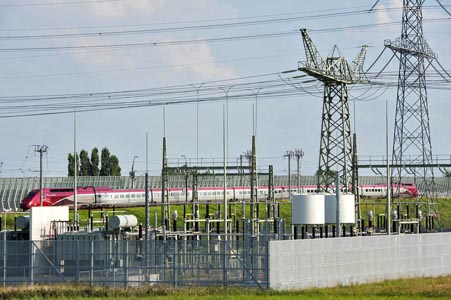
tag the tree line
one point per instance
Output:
(89, 166)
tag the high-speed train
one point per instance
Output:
(105, 196)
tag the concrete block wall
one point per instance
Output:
(298, 264)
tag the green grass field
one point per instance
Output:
(378, 206)
(417, 288)
(236, 210)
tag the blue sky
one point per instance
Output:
(283, 123)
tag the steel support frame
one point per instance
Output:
(336, 144)
(412, 137)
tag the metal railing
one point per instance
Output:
(89, 260)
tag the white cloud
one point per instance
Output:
(161, 9)
(200, 52)
(122, 9)
(199, 60)
(103, 58)
(385, 16)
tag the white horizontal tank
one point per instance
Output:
(307, 209)
(347, 209)
(121, 221)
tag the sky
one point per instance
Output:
(64, 47)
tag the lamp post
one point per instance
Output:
(255, 92)
(197, 120)
(226, 91)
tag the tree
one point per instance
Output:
(85, 164)
(114, 165)
(90, 166)
(70, 165)
(105, 165)
(327, 172)
(94, 162)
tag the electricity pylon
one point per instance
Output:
(412, 137)
(336, 145)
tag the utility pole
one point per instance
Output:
(299, 154)
(289, 154)
(132, 172)
(41, 149)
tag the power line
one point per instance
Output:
(207, 40)
(86, 104)
(274, 18)
(278, 19)
(182, 28)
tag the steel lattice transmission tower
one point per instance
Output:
(412, 137)
(336, 145)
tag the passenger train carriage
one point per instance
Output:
(105, 196)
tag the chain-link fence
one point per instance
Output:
(99, 260)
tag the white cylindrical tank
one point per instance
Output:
(121, 221)
(22, 222)
(307, 209)
(347, 209)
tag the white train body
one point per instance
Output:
(108, 196)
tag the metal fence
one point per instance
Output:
(126, 263)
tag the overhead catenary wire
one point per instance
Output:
(205, 40)
(60, 104)
(276, 18)
(176, 29)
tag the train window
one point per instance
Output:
(32, 193)
(61, 190)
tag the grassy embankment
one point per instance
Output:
(378, 207)
(418, 288)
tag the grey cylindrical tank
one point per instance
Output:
(121, 221)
